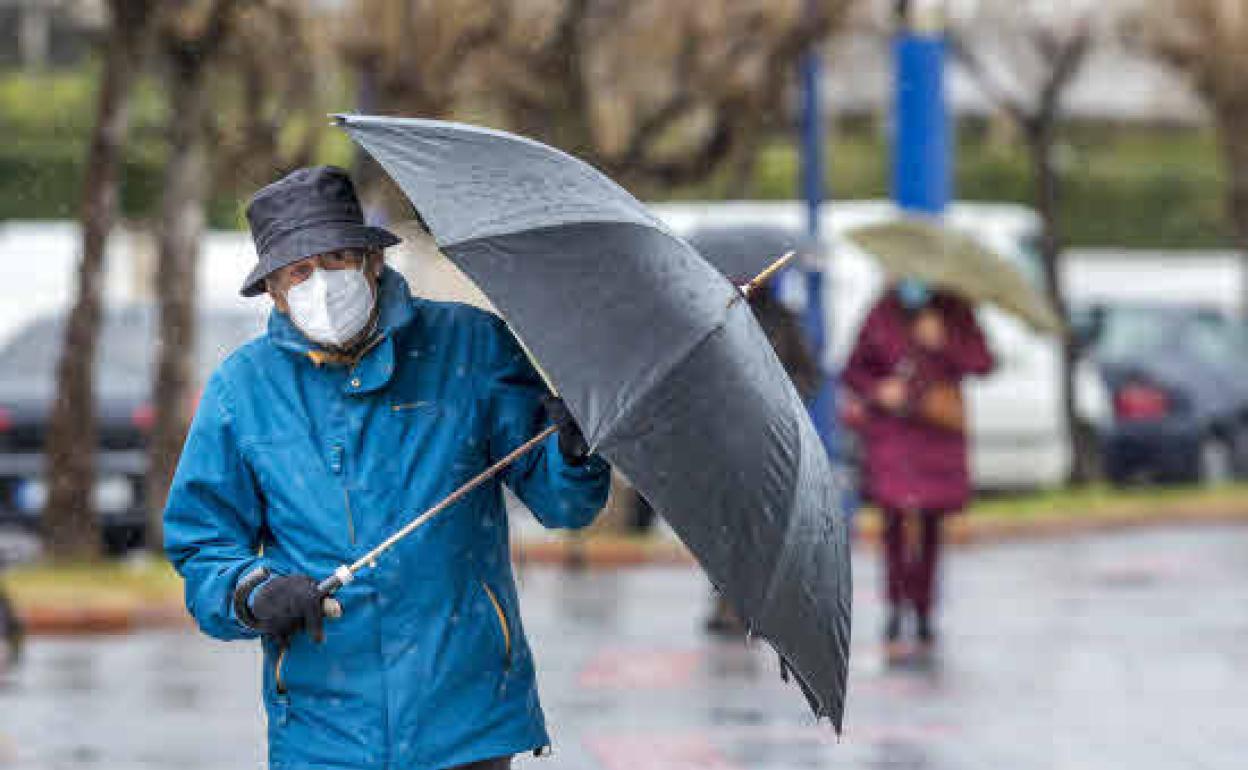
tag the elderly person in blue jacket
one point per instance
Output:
(360, 407)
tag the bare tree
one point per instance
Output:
(1207, 41)
(416, 58)
(190, 36)
(240, 77)
(1024, 56)
(268, 116)
(656, 93)
(69, 516)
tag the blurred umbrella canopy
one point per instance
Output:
(948, 259)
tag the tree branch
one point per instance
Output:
(1018, 111)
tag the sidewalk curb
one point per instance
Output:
(991, 531)
(608, 552)
(66, 620)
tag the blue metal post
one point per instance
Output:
(812, 193)
(823, 406)
(922, 146)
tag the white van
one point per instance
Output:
(1019, 437)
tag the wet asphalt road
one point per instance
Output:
(1110, 652)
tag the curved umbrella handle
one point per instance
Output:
(329, 586)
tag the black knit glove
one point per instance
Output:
(572, 443)
(283, 606)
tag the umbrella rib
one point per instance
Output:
(638, 395)
(496, 230)
(782, 564)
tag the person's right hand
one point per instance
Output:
(891, 394)
(287, 604)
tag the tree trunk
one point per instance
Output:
(365, 171)
(1233, 137)
(180, 230)
(1040, 141)
(69, 520)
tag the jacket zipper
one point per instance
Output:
(502, 624)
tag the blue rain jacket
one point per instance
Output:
(301, 465)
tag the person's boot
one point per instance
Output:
(926, 633)
(723, 621)
(893, 648)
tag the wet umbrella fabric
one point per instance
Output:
(742, 252)
(660, 361)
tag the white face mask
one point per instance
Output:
(332, 306)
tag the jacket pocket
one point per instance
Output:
(504, 626)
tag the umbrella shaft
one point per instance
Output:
(367, 560)
(767, 273)
(343, 575)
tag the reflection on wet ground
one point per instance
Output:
(1111, 652)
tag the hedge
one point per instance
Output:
(1123, 185)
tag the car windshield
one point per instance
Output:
(126, 346)
(1207, 337)
(1128, 332)
(1215, 339)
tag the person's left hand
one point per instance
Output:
(572, 443)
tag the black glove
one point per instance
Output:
(572, 443)
(283, 606)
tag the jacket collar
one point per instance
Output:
(375, 363)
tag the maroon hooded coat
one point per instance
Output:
(911, 464)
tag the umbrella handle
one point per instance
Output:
(330, 586)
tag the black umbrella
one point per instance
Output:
(741, 251)
(662, 364)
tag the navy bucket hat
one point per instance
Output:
(309, 211)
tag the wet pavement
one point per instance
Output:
(1111, 652)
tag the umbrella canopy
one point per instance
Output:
(743, 251)
(957, 262)
(661, 362)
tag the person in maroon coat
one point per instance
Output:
(914, 343)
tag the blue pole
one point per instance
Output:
(823, 405)
(812, 193)
(922, 146)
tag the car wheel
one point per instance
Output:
(1217, 461)
(10, 635)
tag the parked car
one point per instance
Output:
(1019, 439)
(124, 363)
(14, 548)
(1179, 382)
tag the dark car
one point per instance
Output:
(1178, 377)
(124, 361)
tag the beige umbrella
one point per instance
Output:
(958, 263)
